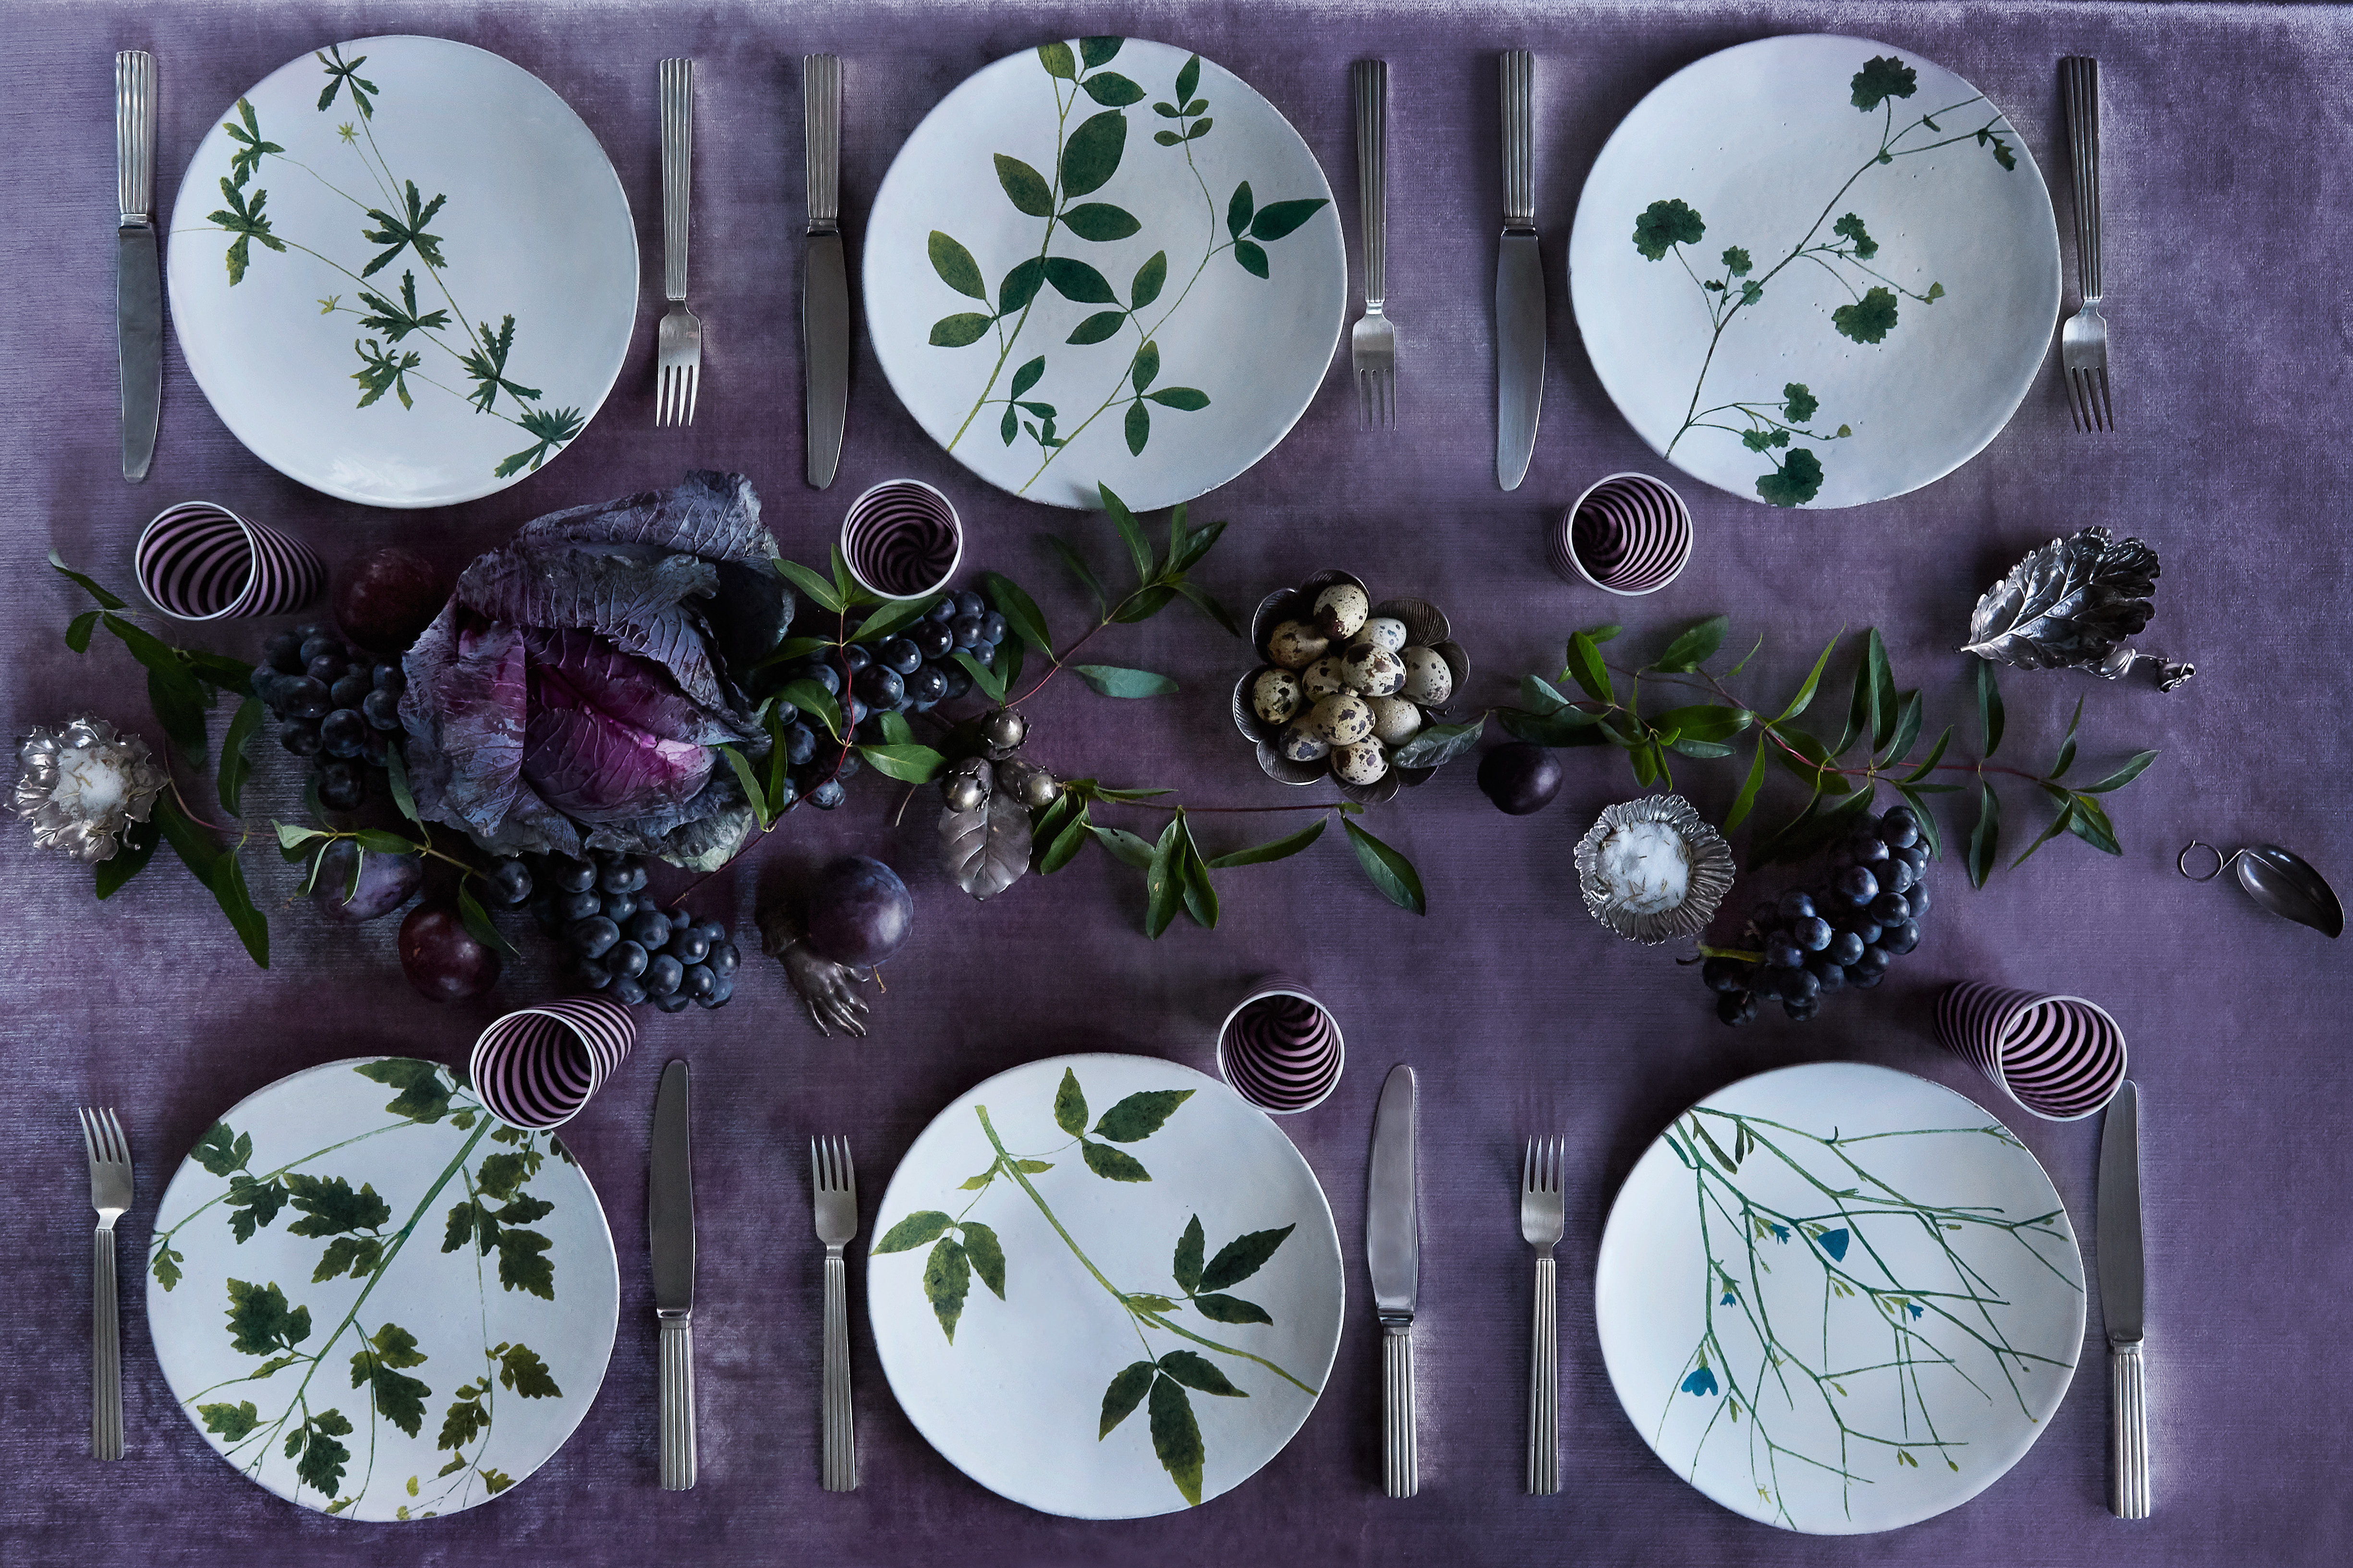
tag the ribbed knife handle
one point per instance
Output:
(821, 124)
(1400, 1460)
(1519, 82)
(134, 133)
(678, 1461)
(2128, 1416)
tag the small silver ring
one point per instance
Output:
(2180, 861)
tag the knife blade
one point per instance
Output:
(138, 277)
(1519, 281)
(2122, 1299)
(1393, 1256)
(825, 279)
(669, 1238)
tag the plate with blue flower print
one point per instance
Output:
(1838, 1299)
(376, 1300)
(402, 271)
(1815, 271)
(1106, 261)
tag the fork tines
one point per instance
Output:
(103, 1138)
(829, 1164)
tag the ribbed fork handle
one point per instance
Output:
(1400, 1457)
(105, 1353)
(2079, 79)
(1543, 1387)
(2128, 1413)
(678, 171)
(840, 1468)
(678, 1454)
(1372, 84)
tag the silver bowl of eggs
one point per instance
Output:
(1343, 682)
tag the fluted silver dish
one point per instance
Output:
(1711, 871)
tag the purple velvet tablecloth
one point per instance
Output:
(2227, 195)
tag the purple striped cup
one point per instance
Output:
(2059, 1057)
(901, 539)
(536, 1067)
(1279, 1048)
(1628, 534)
(199, 562)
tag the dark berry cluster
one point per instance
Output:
(1845, 933)
(340, 711)
(617, 939)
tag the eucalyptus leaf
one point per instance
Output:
(1390, 871)
(1985, 838)
(1813, 680)
(478, 924)
(1585, 667)
(1124, 845)
(2123, 775)
(1164, 878)
(1988, 711)
(908, 764)
(1439, 744)
(820, 591)
(1021, 612)
(1695, 647)
(1079, 569)
(1139, 550)
(1745, 801)
(1111, 680)
(235, 764)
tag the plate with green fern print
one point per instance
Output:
(1815, 271)
(1105, 1287)
(374, 1299)
(402, 271)
(1838, 1298)
(1106, 261)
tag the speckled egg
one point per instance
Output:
(1341, 609)
(1428, 679)
(1276, 695)
(1382, 631)
(1295, 645)
(1395, 720)
(1301, 744)
(1361, 763)
(1324, 677)
(1371, 669)
(1342, 719)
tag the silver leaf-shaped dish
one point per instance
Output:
(987, 849)
(2067, 605)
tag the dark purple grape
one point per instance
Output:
(676, 1001)
(1896, 876)
(859, 911)
(306, 698)
(1801, 1009)
(1889, 909)
(827, 675)
(386, 597)
(380, 708)
(387, 882)
(1846, 947)
(1828, 976)
(441, 956)
(1857, 885)
(389, 678)
(932, 639)
(853, 710)
(302, 738)
(1796, 906)
(588, 972)
(826, 795)
(1863, 927)
(1918, 898)
(592, 937)
(1781, 952)
(723, 987)
(1865, 849)
(878, 686)
(349, 689)
(341, 785)
(699, 982)
(959, 682)
(1902, 938)
(510, 882)
(846, 768)
(992, 628)
(650, 928)
(1724, 974)
(1874, 961)
(627, 989)
(678, 919)
(1913, 855)
(966, 630)
(1812, 933)
(1520, 777)
(688, 946)
(723, 959)
(569, 876)
(1899, 827)
(323, 645)
(800, 744)
(899, 655)
(619, 907)
(968, 602)
(626, 959)
(283, 653)
(663, 976)
(927, 685)
(943, 609)
(623, 877)
(580, 906)
(340, 732)
(327, 669)
(1800, 985)
(856, 657)
(1865, 979)
(1736, 1008)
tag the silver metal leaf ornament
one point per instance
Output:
(987, 849)
(2070, 606)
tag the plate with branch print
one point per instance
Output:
(1105, 1287)
(1816, 270)
(376, 1301)
(1838, 1298)
(1106, 261)
(402, 271)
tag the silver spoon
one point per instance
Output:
(2280, 879)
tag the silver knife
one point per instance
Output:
(1519, 281)
(825, 282)
(1393, 1256)
(670, 1235)
(2121, 1300)
(138, 280)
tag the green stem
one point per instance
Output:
(1061, 119)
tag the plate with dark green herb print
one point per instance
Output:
(1815, 271)
(376, 1301)
(1105, 1287)
(1106, 261)
(402, 271)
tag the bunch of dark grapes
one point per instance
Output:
(1846, 933)
(617, 939)
(340, 711)
(911, 671)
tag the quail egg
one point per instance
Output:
(1341, 718)
(1363, 763)
(1428, 680)
(1382, 631)
(1276, 696)
(1371, 669)
(1295, 645)
(1324, 677)
(1301, 744)
(1395, 720)
(1340, 609)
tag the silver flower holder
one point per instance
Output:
(1708, 857)
(82, 786)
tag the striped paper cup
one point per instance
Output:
(901, 539)
(535, 1069)
(1628, 534)
(2059, 1057)
(1279, 1048)
(199, 562)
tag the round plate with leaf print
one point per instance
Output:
(1838, 1298)
(376, 1301)
(403, 270)
(1815, 270)
(1106, 262)
(1105, 1287)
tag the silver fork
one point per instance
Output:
(1371, 346)
(110, 1195)
(836, 1183)
(1540, 1224)
(2083, 340)
(677, 343)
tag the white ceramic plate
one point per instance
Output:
(1206, 314)
(1103, 1306)
(332, 1312)
(531, 224)
(1741, 151)
(1907, 1258)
